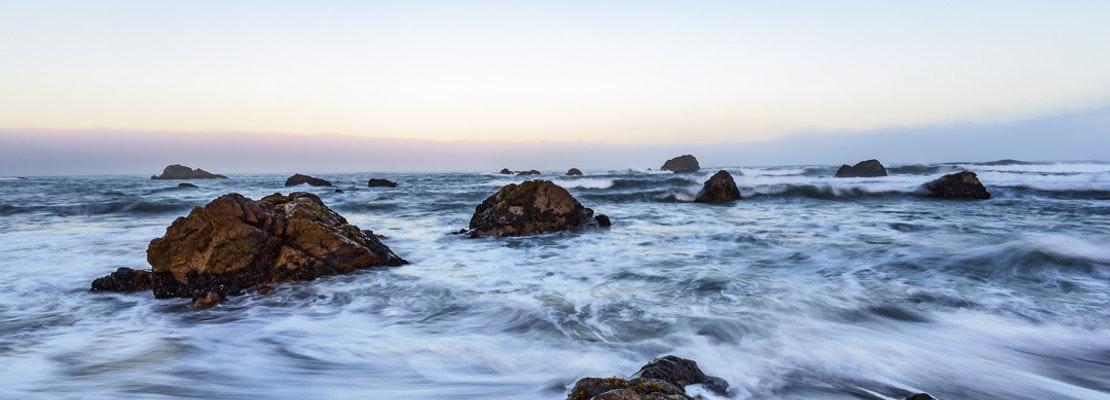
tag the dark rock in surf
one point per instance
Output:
(234, 243)
(684, 163)
(375, 182)
(299, 179)
(574, 172)
(720, 188)
(663, 378)
(529, 172)
(603, 220)
(186, 185)
(862, 169)
(124, 280)
(339, 190)
(921, 396)
(505, 171)
(528, 208)
(963, 185)
(178, 171)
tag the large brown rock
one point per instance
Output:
(529, 208)
(862, 169)
(963, 185)
(234, 243)
(684, 163)
(299, 179)
(720, 188)
(178, 171)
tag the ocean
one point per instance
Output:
(811, 287)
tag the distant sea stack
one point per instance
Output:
(299, 179)
(862, 169)
(506, 171)
(531, 208)
(375, 182)
(178, 171)
(574, 172)
(720, 188)
(958, 186)
(684, 163)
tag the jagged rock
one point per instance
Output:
(178, 171)
(664, 378)
(963, 185)
(921, 396)
(684, 163)
(720, 188)
(375, 182)
(233, 243)
(528, 208)
(124, 280)
(529, 172)
(574, 172)
(298, 179)
(186, 185)
(505, 171)
(862, 169)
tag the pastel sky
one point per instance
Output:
(616, 72)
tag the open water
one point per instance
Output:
(809, 288)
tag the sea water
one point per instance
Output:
(811, 287)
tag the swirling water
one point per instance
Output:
(810, 287)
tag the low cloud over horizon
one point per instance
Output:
(1065, 137)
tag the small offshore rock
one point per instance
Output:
(574, 172)
(375, 182)
(506, 171)
(186, 185)
(603, 220)
(963, 185)
(862, 169)
(529, 172)
(720, 188)
(299, 179)
(680, 372)
(178, 171)
(683, 163)
(339, 190)
(529, 208)
(124, 280)
(210, 299)
(664, 378)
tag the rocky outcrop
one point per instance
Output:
(574, 172)
(124, 280)
(298, 179)
(529, 172)
(684, 163)
(178, 171)
(375, 182)
(963, 185)
(233, 243)
(506, 171)
(529, 208)
(720, 188)
(663, 378)
(862, 169)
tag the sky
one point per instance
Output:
(459, 84)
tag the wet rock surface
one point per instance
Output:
(124, 280)
(963, 185)
(663, 378)
(529, 208)
(720, 188)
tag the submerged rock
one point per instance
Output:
(124, 280)
(186, 185)
(528, 208)
(298, 179)
(862, 169)
(720, 188)
(178, 171)
(921, 396)
(375, 182)
(574, 172)
(663, 378)
(233, 243)
(963, 185)
(684, 163)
